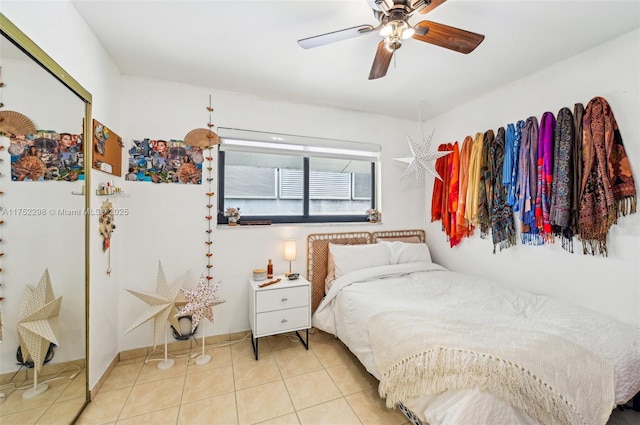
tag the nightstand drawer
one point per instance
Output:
(279, 299)
(283, 320)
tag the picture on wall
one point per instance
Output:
(107, 149)
(161, 161)
(46, 155)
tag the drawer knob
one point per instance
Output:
(284, 299)
(283, 321)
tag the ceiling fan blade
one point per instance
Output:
(432, 5)
(448, 37)
(332, 37)
(380, 62)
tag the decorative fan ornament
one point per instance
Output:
(202, 137)
(12, 122)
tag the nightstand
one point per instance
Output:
(282, 307)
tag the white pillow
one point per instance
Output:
(402, 252)
(349, 258)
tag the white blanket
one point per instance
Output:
(355, 297)
(552, 379)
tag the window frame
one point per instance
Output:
(305, 217)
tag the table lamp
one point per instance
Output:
(289, 253)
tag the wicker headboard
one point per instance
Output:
(318, 253)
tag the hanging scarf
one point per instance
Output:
(486, 187)
(446, 214)
(454, 184)
(563, 183)
(502, 228)
(510, 168)
(438, 189)
(527, 180)
(578, 118)
(607, 188)
(545, 175)
(473, 192)
(464, 226)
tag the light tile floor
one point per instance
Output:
(287, 385)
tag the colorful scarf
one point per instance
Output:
(454, 183)
(527, 180)
(578, 117)
(446, 213)
(438, 189)
(563, 183)
(545, 175)
(464, 226)
(510, 167)
(607, 188)
(502, 228)
(485, 186)
(473, 193)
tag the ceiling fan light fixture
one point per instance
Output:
(387, 30)
(392, 43)
(408, 33)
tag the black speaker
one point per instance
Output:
(29, 362)
(185, 336)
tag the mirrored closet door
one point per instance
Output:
(43, 248)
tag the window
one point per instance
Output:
(295, 179)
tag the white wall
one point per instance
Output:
(57, 28)
(167, 221)
(610, 285)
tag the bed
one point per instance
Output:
(450, 348)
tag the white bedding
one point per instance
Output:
(358, 295)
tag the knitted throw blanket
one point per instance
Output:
(502, 228)
(608, 188)
(550, 378)
(563, 183)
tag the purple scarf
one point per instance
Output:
(545, 175)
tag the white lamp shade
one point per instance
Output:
(290, 250)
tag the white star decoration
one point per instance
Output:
(162, 307)
(35, 329)
(422, 160)
(200, 302)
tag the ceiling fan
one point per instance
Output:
(393, 16)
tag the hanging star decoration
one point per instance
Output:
(36, 327)
(422, 159)
(200, 302)
(162, 307)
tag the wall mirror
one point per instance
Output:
(45, 119)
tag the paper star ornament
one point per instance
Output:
(162, 307)
(422, 159)
(200, 302)
(37, 328)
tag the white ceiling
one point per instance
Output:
(250, 46)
